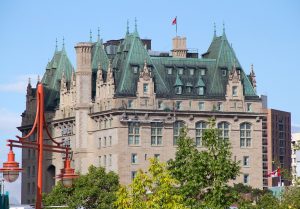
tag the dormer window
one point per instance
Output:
(135, 69)
(192, 71)
(169, 70)
(178, 90)
(188, 89)
(180, 71)
(224, 72)
(145, 88)
(200, 90)
(202, 71)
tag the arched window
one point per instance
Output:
(176, 130)
(200, 127)
(245, 135)
(223, 130)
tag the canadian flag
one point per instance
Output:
(174, 22)
(275, 173)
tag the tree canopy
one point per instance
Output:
(96, 189)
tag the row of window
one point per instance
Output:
(134, 157)
(180, 71)
(157, 132)
(200, 90)
(103, 124)
(105, 160)
(104, 142)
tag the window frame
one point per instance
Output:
(245, 135)
(134, 133)
(177, 125)
(200, 128)
(156, 133)
(223, 130)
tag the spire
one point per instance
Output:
(99, 73)
(127, 29)
(215, 31)
(29, 81)
(135, 26)
(98, 35)
(55, 44)
(223, 35)
(91, 39)
(63, 43)
(252, 78)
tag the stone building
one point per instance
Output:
(119, 109)
(295, 158)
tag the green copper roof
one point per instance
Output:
(59, 63)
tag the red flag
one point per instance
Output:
(174, 22)
(275, 173)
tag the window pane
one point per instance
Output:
(137, 140)
(159, 140)
(130, 139)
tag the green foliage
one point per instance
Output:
(155, 190)
(203, 175)
(291, 198)
(267, 201)
(96, 189)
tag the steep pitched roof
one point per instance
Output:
(51, 79)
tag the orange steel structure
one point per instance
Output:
(11, 168)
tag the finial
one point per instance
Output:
(127, 29)
(135, 25)
(91, 36)
(223, 28)
(98, 34)
(56, 44)
(63, 43)
(29, 81)
(215, 31)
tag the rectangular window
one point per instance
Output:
(224, 72)
(234, 91)
(178, 89)
(110, 141)
(33, 170)
(246, 162)
(134, 158)
(130, 103)
(104, 142)
(192, 71)
(135, 69)
(156, 133)
(104, 161)
(249, 107)
(178, 105)
(180, 71)
(33, 188)
(99, 143)
(28, 188)
(169, 71)
(246, 179)
(133, 133)
(188, 89)
(145, 87)
(201, 106)
(159, 104)
(28, 171)
(202, 71)
(99, 161)
(219, 106)
(201, 90)
(133, 174)
(109, 160)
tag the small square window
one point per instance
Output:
(202, 71)
(219, 106)
(159, 104)
(169, 70)
(234, 91)
(180, 71)
(178, 89)
(188, 89)
(246, 162)
(192, 71)
(134, 158)
(246, 179)
(157, 156)
(201, 105)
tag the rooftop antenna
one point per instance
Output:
(127, 29)
(91, 35)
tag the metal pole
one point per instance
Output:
(40, 102)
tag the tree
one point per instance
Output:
(203, 175)
(156, 190)
(96, 189)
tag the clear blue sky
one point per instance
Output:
(265, 33)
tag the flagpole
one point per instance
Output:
(176, 26)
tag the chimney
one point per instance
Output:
(179, 47)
